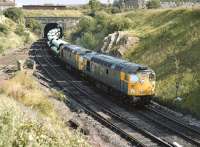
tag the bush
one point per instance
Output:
(87, 24)
(94, 6)
(34, 26)
(153, 4)
(24, 89)
(102, 18)
(27, 38)
(88, 41)
(119, 24)
(116, 10)
(20, 30)
(3, 29)
(92, 30)
(16, 14)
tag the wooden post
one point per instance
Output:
(20, 65)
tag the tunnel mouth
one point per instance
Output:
(51, 26)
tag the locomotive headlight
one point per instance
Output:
(134, 78)
(152, 77)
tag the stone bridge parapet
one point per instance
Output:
(64, 22)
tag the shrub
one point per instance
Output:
(20, 30)
(24, 89)
(16, 14)
(34, 26)
(102, 18)
(59, 95)
(88, 41)
(87, 24)
(94, 5)
(3, 29)
(92, 30)
(152, 4)
(119, 24)
(27, 38)
(116, 10)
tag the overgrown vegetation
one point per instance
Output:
(13, 33)
(28, 118)
(4, 29)
(15, 14)
(34, 26)
(91, 30)
(152, 4)
(94, 6)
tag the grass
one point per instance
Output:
(11, 39)
(25, 89)
(169, 43)
(28, 118)
(55, 13)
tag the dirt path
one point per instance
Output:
(8, 62)
(10, 58)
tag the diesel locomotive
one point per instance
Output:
(132, 82)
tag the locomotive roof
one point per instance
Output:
(77, 49)
(117, 64)
(106, 60)
(90, 55)
(130, 67)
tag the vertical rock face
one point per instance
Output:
(118, 43)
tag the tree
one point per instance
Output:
(34, 26)
(116, 3)
(152, 4)
(16, 14)
(94, 5)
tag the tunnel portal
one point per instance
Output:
(51, 26)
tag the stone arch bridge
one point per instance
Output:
(51, 22)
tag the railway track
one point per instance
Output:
(190, 134)
(134, 134)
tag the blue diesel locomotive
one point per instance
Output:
(133, 82)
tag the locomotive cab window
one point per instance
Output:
(88, 66)
(134, 78)
(107, 72)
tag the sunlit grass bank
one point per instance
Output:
(28, 118)
(13, 35)
(55, 13)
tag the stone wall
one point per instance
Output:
(131, 4)
(134, 3)
(179, 4)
